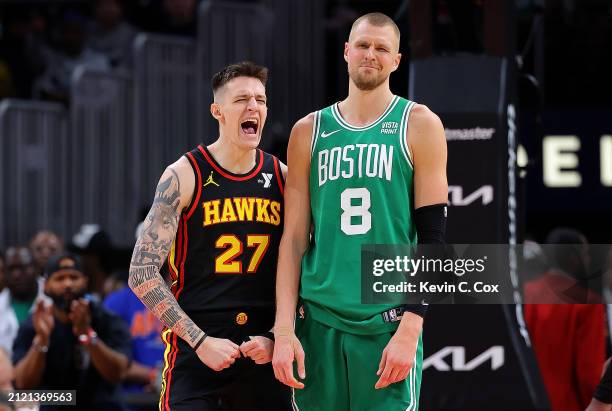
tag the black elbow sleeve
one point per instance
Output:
(430, 223)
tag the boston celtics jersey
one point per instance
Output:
(361, 192)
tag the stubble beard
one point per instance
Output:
(365, 83)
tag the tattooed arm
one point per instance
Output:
(172, 195)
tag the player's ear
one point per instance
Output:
(346, 49)
(396, 61)
(215, 110)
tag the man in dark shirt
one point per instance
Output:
(72, 344)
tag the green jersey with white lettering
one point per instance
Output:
(361, 192)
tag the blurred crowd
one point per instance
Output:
(40, 47)
(69, 321)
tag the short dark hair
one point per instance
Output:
(242, 69)
(378, 20)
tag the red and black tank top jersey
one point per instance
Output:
(225, 252)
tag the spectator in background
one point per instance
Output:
(22, 51)
(144, 374)
(6, 371)
(111, 34)
(177, 17)
(569, 340)
(43, 245)
(54, 84)
(22, 288)
(566, 278)
(73, 343)
(100, 258)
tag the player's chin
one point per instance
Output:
(250, 141)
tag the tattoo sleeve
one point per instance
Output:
(152, 248)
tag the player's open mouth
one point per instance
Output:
(250, 126)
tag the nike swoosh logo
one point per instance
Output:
(324, 134)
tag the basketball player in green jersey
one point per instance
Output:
(370, 169)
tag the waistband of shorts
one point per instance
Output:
(238, 316)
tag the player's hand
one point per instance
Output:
(397, 360)
(286, 349)
(43, 321)
(218, 353)
(259, 349)
(596, 405)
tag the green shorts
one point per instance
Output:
(341, 372)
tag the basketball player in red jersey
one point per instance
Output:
(217, 217)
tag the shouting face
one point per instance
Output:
(240, 107)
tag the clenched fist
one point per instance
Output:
(218, 353)
(259, 349)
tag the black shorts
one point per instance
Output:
(188, 384)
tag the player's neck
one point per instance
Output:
(232, 158)
(362, 107)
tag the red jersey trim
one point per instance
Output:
(225, 174)
(279, 175)
(184, 257)
(195, 201)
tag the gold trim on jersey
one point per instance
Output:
(162, 392)
(171, 259)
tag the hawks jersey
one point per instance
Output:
(361, 192)
(226, 247)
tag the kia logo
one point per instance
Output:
(458, 198)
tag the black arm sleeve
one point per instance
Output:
(430, 224)
(603, 392)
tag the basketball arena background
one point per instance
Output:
(523, 88)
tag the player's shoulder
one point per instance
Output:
(181, 166)
(425, 131)
(305, 124)
(421, 117)
(183, 172)
(301, 134)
